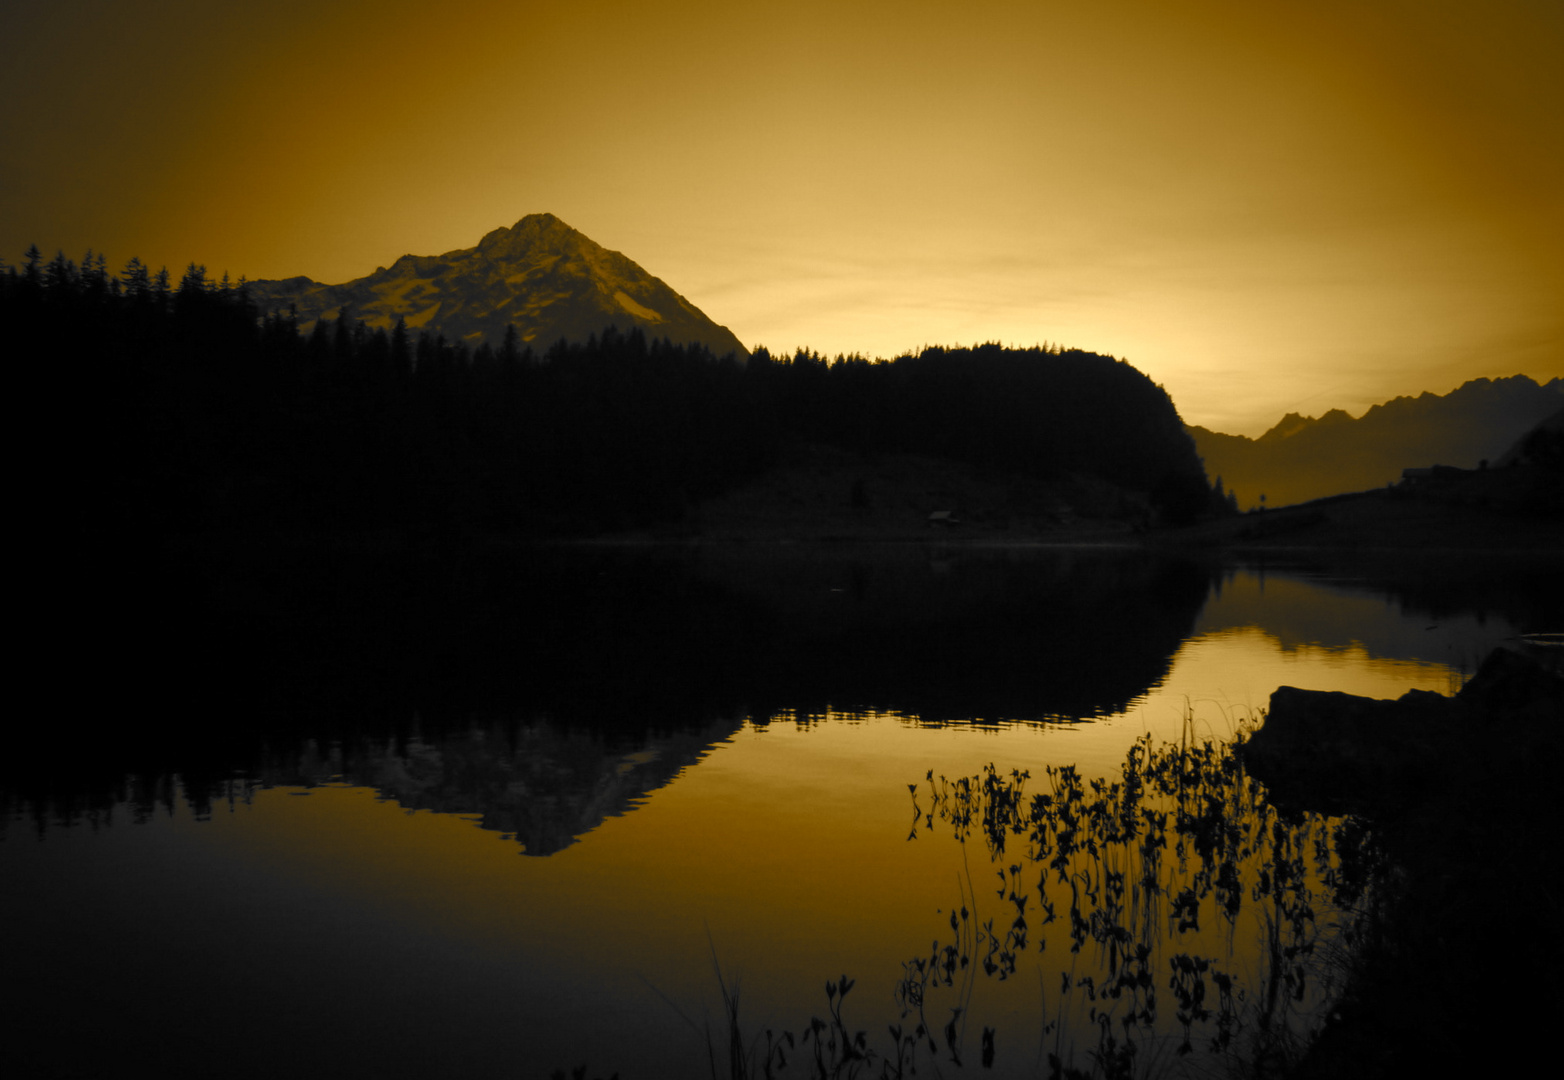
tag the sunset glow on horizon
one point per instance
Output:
(1266, 208)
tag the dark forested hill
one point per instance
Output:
(540, 276)
(1304, 458)
(187, 408)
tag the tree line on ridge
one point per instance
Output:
(182, 406)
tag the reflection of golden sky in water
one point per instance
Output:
(1235, 670)
(1264, 206)
(786, 841)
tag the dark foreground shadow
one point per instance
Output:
(1459, 794)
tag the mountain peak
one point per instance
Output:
(1287, 426)
(529, 233)
(539, 275)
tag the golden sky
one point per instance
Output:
(1266, 205)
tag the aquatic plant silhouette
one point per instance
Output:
(1140, 874)
(1146, 874)
(827, 1049)
(1198, 924)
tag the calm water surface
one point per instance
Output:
(513, 892)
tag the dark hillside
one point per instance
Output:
(1461, 512)
(185, 408)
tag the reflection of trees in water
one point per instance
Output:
(1412, 589)
(257, 654)
(959, 633)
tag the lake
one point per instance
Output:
(504, 813)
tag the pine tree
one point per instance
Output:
(194, 282)
(94, 275)
(401, 352)
(138, 281)
(60, 277)
(31, 273)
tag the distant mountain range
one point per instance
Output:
(1304, 458)
(540, 275)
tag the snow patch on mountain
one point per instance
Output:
(635, 309)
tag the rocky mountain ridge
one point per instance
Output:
(1303, 458)
(539, 275)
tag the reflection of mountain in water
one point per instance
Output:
(544, 786)
(1430, 608)
(254, 656)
